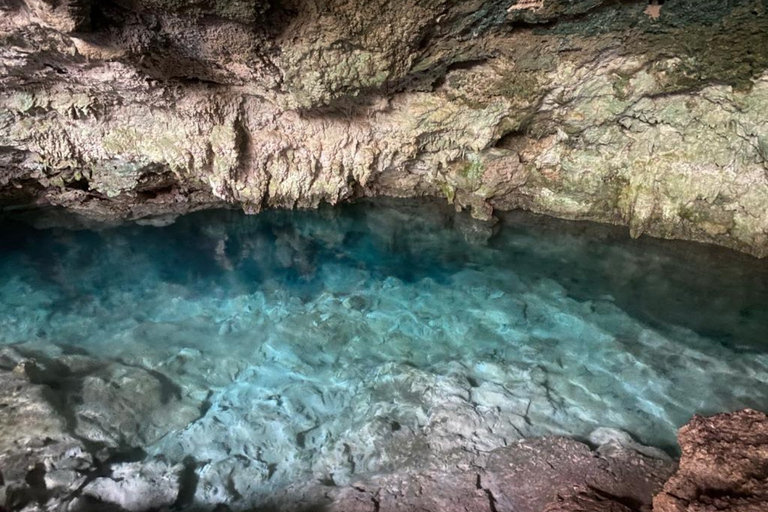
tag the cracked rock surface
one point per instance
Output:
(49, 466)
(617, 112)
(724, 465)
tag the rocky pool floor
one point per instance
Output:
(321, 345)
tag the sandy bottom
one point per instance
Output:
(320, 345)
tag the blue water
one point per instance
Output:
(325, 344)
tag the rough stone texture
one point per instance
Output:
(587, 109)
(53, 464)
(48, 465)
(38, 455)
(65, 442)
(532, 475)
(724, 465)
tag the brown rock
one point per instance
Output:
(589, 110)
(585, 500)
(551, 474)
(554, 471)
(724, 465)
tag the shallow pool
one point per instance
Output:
(325, 344)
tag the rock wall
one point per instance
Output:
(724, 465)
(651, 116)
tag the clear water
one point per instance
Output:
(324, 344)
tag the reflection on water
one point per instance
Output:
(331, 342)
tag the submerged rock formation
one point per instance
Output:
(619, 112)
(65, 458)
(54, 455)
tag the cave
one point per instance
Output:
(367, 255)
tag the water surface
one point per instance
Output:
(324, 344)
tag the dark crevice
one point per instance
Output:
(100, 17)
(488, 493)
(465, 64)
(35, 479)
(376, 504)
(57, 69)
(358, 191)
(426, 38)
(79, 184)
(196, 80)
(278, 18)
(153, 185)
(301, 437)
(20, 193)
(631, 503)
(732, 494)
(154, 193)
(511, 140)
(243, 146)
(439, 81)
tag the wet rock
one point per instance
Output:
(67, 421)
(122, 405)
(46, 464)
(429, 490)
(724, 465)
(551, 473)
(537, 471)
(40, 459)
(611, 441)
(134, 486)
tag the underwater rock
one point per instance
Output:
(134, 486)
(45, 466)
(122, 405)
(589, 109)
(68, 422)
(724, 465)
(40, 458)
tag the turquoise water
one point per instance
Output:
(326, 344)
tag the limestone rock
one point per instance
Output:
(538, 472)
(585, 500)
(587, 110)
(135, 486)
(724, 465)
(543, 474)
(122, 405)
(39, 457)
(67, 425)
(48, 463)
